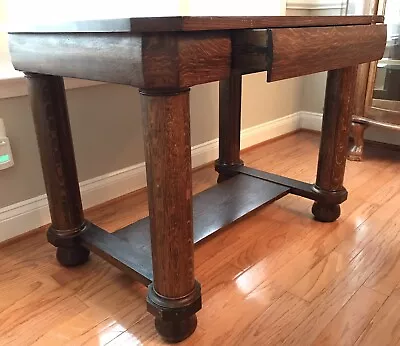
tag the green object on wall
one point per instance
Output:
(4, 158)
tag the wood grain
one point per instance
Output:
(336, 123)
(351, 321)
(241, 269)
(383, 329)
(57, 157)
(50, 113)
(166, 124)
(301, 51)
(319, 277)
(141, 60)
(165, 24)
(361, 89)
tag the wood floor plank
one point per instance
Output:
(331, 301)
(386, 278)
(337, 274)
(271, 327)
(370, 230)
(38, 312)
(350, 322)
(384, 328)
(319, 277)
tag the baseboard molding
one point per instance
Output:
(314, 4)
(24, 216)
(313, 121)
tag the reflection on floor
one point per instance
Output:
(276, 276)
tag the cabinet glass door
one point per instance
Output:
(386, 94)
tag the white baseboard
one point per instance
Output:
(310, 121)
(314, 4)
(313, 121)
(21, 217)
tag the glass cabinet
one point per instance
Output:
(377, 100)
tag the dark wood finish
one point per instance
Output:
(295, 187)
(301, 51)
(336, 124)
(134, 258)
(164, 57)
(251, 50)
(293, 52)
(129, 248)
(165, 24)
(230, 107)
(215, 208)
(50, 113)
(170, 60)
(356, 151)
(176, 60)
(166, 124)
(167, 137)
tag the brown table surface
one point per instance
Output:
(183, 23)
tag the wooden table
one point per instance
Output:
(164, 57)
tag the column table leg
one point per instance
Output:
(174, 296)
(334, 140)
(230, 102)
(49, 108)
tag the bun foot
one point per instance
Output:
(73, 256)
(326, 212)
(176, 330)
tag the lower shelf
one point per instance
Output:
(130, 248)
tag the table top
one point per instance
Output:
(185, 23)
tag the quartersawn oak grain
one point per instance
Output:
(301, 51)
(50, 113)
(336, 123)
(165, 60)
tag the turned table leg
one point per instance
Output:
(230, 101)
(49, 108)
(356, 152)
(174, 296)
(334, 140)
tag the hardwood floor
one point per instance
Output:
(275, 277)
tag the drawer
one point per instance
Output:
(292, 52)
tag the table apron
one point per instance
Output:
(182, 59)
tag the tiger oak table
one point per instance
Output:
(164, 57)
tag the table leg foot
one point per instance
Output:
(175, 318)
(326, 212)
(223, 170)
(72, 257)
(176, 331)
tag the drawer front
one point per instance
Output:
(292, 52)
